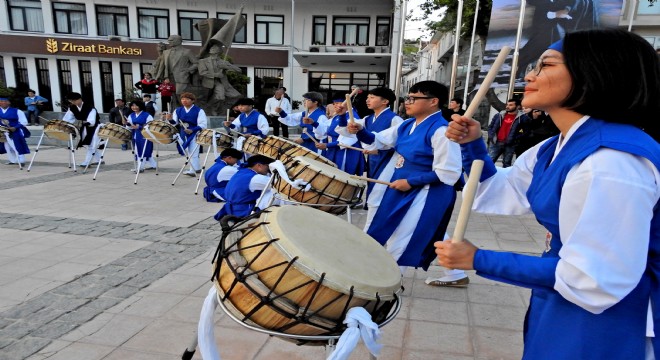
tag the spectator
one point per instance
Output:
(166, 90)
(33, 103)
(503, 132)
(148, 85)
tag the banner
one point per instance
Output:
(545, 22)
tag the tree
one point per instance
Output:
(448, 21)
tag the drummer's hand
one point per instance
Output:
(401, 185)
(85, 123)
(354, 127)
(370, 152)
(11, 129)
(188, 131)
(135, 126)
(278, 109)
(226, 123)
(307, 120)
(321, 146)
(168, 116)
(463, 130)
(455, 255)
(299, 141)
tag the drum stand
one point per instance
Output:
(331, 340)
(214, 146)
(70, 146)
(188, 159)
(104, 142)
(12, 147)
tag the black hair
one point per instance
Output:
(74, 96)
(138, 103)
(431, 88)
(231, 152)
(616, 67)
(258, 159)
(145, 74)
(514, 100)
(146, 95)
(458, 100)
(31, 91)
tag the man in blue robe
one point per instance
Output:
(220, 173)
(15, 122)
(245, 187)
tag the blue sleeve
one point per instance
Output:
(343, 121)
(517, 269)
(365, 136)
(477, 150)
(42, 99)
(283, 114)
(333, 144)
(27, 101)
(195, 128)
(423, 178)
(315, 124)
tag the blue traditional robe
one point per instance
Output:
(377, 162)
(249, 123)
(17, 136)
(314, 115)
(189, 118)
(348, 160)
(212, 183)
(556, 328)
(240, 200)
(138, 140)
(417, 167)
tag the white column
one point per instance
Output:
(96, 85)
(116, 80)
(75, 75)
(54, 83)
(10, 72)
(47, 12)
(4, 19)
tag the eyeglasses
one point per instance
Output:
(540, 65)
(412, 99)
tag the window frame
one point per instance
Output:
(243, 30)
(267, 35)
(155, 23)
(389, 30)
(115, 16)
(324, 24)
(343, 40)
(192, 24)
(68, 17)
(23, 8)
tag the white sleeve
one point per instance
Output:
(175, 117)
(91, 117)
(269, 109)
(68, 117)
(397, 120)
(286, 105)
(202, 120)
(259, 182)
(291, 119)
(226, 173)
(262, 124)
(150, 118)
(237, 123)
(387, 138)
(447, 159)
(155, 108)
(321, 131)
(21, 118)
(605, 214)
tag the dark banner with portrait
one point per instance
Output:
(545, 22)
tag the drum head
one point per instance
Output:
(327, 244)
(330, 171)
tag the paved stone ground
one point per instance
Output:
(110, 270)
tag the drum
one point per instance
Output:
(297, 270)
(3, 130)
(115, 133)
(329, 185)
(159, 131)
(60, 130)
(205, 137)
(252, 145)
(292, 150)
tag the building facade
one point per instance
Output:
(101, 49)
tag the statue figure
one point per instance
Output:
(212, 72)
(178, 64)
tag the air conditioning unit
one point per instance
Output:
(370, 50)
(115, 38)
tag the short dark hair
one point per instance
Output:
(431, 88)
(458, 100)
(231, 152)
(138, 103)
(145, 74)
(258, 159)
(384, 93)
(514, 100)
(74, 96)
(31, 91)
(610, 66)
(146, 95)
(119, 99)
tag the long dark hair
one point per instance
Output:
(616, 78)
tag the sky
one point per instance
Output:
(415, 29)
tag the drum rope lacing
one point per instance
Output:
(272, 299)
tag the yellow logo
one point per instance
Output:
(51, 46)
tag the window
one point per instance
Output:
(43, 77)
(269, 29)
(127, 90)
(25, 15)
(351, 31)
(240, 36)
(319, 26)
(66, 84)
(3, 79)
(153, 23)
(21, 73)
(382, 31)
(107, 91)
(86, 81)
(112, 20)
(70, 18)
(186, 21)
(327, 83)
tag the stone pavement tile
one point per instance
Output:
(82, 351)
(49, 350)
(26, 345)
(493, 294)
(188, 310)
(386, 353)
(178, 284)
(151, 304)
(443, 338)
(98, 257)
(497, 316)
(412, 354)
(65, 271)
(273, 349)
(59, 254)
(450, 312)
(28, 287)
(171, 337)
(521, 247)
(514, 236)
(424, 291)
(124, 354)
(25, 250)
(497, 343)
(392, 334)
(125, 246)
(117, 331)
(89, 327)
(86, 242)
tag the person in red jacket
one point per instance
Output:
(148, 85)
(166, 90)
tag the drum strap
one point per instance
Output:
(278, 167)
(151, 135)
(359, 325)
(205, 335)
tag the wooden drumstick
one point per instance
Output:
(364, 178)
(349, 109)
(469, 192)
(43, 118)
(351, 147)
(354, 92)
(485, 85)
(310, 136)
